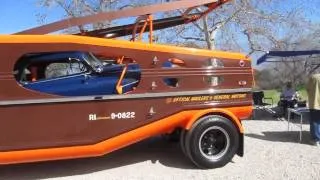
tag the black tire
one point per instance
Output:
(212, 142)
(182, 142)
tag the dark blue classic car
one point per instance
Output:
(75, 74)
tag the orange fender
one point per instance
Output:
(230, 113)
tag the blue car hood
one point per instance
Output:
(118, 68)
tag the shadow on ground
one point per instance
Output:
(263, 114)
(283, 136)
(273, 115)
(154, 150)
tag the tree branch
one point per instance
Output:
(221, 24)
(192, 38)
(194, 23)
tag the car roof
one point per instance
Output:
(54, 56)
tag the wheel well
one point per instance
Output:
(223, 115)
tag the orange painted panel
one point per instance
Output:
(182, 119)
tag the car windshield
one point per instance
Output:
(94, 62)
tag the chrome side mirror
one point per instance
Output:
(99, 69)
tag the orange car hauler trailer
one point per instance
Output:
(203, 94)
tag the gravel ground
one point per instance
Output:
(271, 152)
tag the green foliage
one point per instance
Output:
(275, 94)
(303, 94)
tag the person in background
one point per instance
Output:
(288, 98)
(313, 89)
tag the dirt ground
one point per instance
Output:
(271, 152)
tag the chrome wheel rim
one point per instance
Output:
(214, 143)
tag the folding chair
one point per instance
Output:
(260, 102)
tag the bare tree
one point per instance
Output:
(249, 26)
(297, 69)
(77, 8)
(242, 25)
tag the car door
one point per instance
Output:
(104, 83)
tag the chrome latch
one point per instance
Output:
(151, 112)
(153, 85)
(242, 83)
(155, 60)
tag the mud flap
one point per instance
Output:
(240, 151)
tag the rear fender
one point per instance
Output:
(223, 112)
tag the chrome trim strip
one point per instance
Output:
(202, 74)
(130, 83)
(222, 104)
(55, 78)
(123, 96)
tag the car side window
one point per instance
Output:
(36, 71)
(56, 70)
